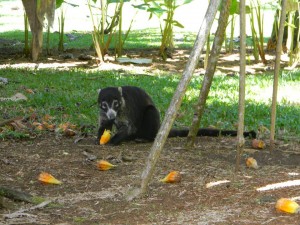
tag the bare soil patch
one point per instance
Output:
(90, 196)
(11, 55)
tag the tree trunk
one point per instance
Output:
(240, 136)
(272, 42)
(177, 99)
(276, 73)
(210, 70)
(36, 12)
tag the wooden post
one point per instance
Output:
(276, 73)
(177, 99)
(240, 136)
(209, 72)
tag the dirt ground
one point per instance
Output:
(90, 196)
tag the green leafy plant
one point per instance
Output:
(164, 10)
(233, 11)
(256, 15)
(106, 26)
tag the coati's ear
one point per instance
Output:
(121, 93)
(99, 91)
(120, 90)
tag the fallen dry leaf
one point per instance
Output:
(47, 117)
(38, 126)
(67, 129)
(69, 132)
(16, 97)
(29, 91)
(48, 126)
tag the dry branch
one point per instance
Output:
(240, 136)
(16, 195)
(21, 212)
(177, 99)
(276, 73)
(210, 70)
(7, 122)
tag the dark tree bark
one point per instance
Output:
(210, 70)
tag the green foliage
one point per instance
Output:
(59, 3)
(72, 96)
(167, 8)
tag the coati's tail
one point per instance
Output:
(209, 132)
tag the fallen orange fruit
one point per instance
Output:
(105, 137)
(48, 178)
(287, 205)
(104, 165)
(172, 177)
(251, 163)
(258, 144)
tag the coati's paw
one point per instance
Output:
(97, 142)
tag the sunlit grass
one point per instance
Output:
(137, 39)
(71, 96)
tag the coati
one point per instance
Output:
(133, 113)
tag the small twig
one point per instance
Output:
(8, 121)
(21, 213)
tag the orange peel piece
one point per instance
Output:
(47, 178)
(251, 163)
(258, 144)
(287, 206)
(172, 177)
(105, 137)
(104, 165)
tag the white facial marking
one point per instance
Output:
(110, 110)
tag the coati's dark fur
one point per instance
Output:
(134, 115)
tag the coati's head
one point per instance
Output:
(111, 101)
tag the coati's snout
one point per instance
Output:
(110, 109)
(110, 102)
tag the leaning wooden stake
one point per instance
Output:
(276, 73)
(240, 136)
(210, 70)
(176, 100)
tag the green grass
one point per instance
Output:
(72, 95)
(137, 39)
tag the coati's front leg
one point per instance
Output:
(104, 125)
(121, 135)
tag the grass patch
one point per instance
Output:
(137, 39)
(70, 96)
